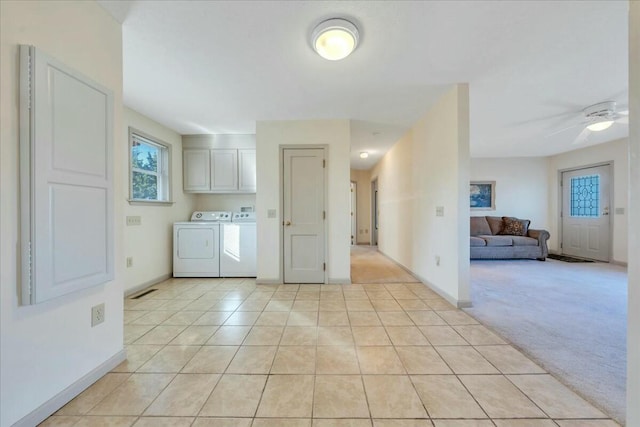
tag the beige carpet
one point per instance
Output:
(570, 318)
(370, 266)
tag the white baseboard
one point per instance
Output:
(333, 281)
(146, 284)
(49, 407)
(436, 289)
(455, 302)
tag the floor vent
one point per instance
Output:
(144, 293)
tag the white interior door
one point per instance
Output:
(354, 222)
(585, 213)
(304, 215)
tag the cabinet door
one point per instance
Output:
(195, 165)
(247, 171)
(224, 170)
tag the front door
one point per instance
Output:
(304, 215)
(585, 213)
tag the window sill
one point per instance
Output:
(136, 202)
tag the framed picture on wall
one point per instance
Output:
(482, 195)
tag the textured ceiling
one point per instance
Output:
(218, 67)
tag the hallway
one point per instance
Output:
(370, 266)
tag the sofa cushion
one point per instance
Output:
(498, 240)
(514, 227)
(524, 241)
(479, 225)
(477, 241)
(495, 224)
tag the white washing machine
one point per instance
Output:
(238, 246)
(196, 245)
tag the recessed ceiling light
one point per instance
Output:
(364, 155)
(335, 39)
(598, 126)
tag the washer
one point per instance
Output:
(196, 245)
(238, 246)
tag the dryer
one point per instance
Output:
(196, 245)
(238, 246)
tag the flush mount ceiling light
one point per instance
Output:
(364, 155)
(335, 39)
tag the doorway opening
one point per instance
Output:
(354, 218)
(374, 212)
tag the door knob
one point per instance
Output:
(606, 211)
(288, 223)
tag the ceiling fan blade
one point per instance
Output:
(582, 137)
(563, 129)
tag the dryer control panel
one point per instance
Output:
(211, 216)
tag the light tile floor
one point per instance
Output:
(216, 352)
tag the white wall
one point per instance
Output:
(47, 347)
(224, 202)
(270, 135)
(617, 152)
(427, 168)
(151, 244)
(633, 320)
(362, 178)
(521, 187)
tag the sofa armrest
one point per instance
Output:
(542, 236)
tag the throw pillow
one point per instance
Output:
(514, 226)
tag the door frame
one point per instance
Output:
(325, 149)
(373, 236)
(610, 164)
(354, 210)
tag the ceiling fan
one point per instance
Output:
(597, 117)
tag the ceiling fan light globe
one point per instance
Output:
(600, 126)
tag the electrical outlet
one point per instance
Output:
(437, 260)
(129, 262)
(97, 314)
(134, 220)
(271, 213)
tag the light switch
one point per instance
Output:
(272, 213)
(619, 211)
(439, 210)
(134, 220)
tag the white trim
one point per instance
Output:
(49, 407)
(146, 284)
(338, 281)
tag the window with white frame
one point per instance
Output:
(149, 168)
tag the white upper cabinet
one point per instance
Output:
(196, 167)
(219, 170)
(247, 171)
(224, 170)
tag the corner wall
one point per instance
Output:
(426, 169)
(151, 244)
(521, 187)
(48, 347)
(616, 151)
(362, 178)
(270, 135)
(633, 321)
